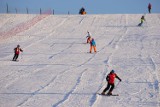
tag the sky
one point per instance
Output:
(73, 6)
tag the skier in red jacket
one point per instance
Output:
(17, 52)
(110, 79)
(149, 7)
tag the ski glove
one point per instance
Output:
(120, 80)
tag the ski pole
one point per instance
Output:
(117, 84)
(21, 56)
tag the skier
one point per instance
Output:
(142, 20)
(149, 7)
(92, 45)
(82, 11)
(17, 52)
(110, 79)
(88, 37)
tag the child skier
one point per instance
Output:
(110, 79)
(92, 45)
(88, 37)
(17, 52)
(142, 20)
(149, 7)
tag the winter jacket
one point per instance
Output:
(88, 35)
(149, 6)
(142, 19)
(111, 78)
(82, 10)
(17, 50)
(93, 43)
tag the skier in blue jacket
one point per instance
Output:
(93, 45)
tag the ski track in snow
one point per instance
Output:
(93, 21)
(36, 92)
(43, 38)
(24, 75)
(42, 87)
(18, 74)
(21, 76)
(66, 97)
(95, 98)
(81, 21)
(62, 50)
(51, 33)
(115, 41)
(155, 83)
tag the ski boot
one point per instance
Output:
(109, 93)
(103, 93)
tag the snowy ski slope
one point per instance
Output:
(56, 70)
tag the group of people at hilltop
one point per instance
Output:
(82, 10)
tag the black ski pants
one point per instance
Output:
(15, 57)
(149, 10)
(109, 87)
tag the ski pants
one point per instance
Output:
(94, 47)
(140, 24)
(149, 10)
(15, 57)
(109, 87)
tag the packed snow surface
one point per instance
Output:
(57, 70)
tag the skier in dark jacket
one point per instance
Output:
(110, 79)
(142, 20)
(17, 52)
(82, 11)
(149, 7)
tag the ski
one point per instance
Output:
(15, 60)
(109, 95)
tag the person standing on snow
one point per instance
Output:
(88, 37)
(17, 52)
(110, 79)
(149, 7)
(92, 45)
(82, 11)
(142, 20)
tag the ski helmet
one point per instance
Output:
(112, 71)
